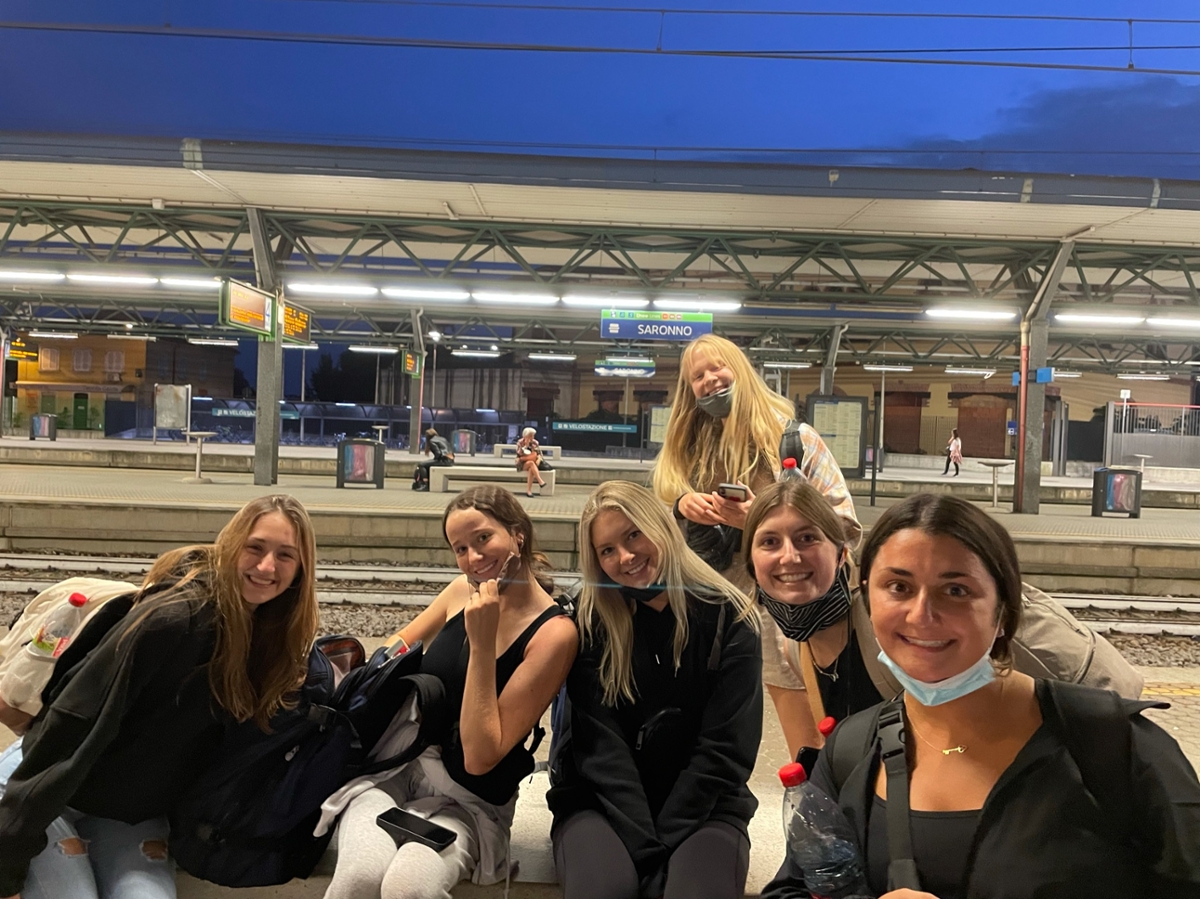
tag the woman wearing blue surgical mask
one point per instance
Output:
(997, 785)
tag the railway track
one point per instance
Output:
(391, 585)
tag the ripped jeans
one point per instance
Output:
(96, 858)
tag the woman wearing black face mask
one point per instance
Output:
(665, 715)
(795, 550)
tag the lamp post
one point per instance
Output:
(436, 337)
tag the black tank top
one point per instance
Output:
(447, 659)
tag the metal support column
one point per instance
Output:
(827, 373)
(414, 418)
(1031, 398)
(270, 362)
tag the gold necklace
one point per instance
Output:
(960, 749)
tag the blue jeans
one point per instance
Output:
(88, 857)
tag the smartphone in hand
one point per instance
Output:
(405, 827)
(735, 493)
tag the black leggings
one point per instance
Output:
(947, 469)
(593, 863)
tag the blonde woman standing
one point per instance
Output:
(725, 427)
(650, 796)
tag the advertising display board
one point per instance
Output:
(248, 308)
(659, 416)
(621, 324)
(842, 423)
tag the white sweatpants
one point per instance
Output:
(369, 866)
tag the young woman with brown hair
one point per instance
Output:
(217, 632)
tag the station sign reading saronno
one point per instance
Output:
(248, 308)
(621, 324)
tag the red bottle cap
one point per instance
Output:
(789, 462)
(827, 725)
(77, 599)
(792, 775)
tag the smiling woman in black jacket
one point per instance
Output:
(650, 798)
(216, 633)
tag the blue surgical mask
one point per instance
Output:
(962, 684)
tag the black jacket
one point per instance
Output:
(125, 730)
(692, 765)
(1042, 835)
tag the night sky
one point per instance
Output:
(237, 84)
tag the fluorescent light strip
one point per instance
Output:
(31, 276)
(377, 350)
(54, 335)
(212, 341)
(698, 305)
(887, 368)
(628, 360)
(431, 295)
(606, 302)
(1143, 376)
(552, 357)
(514, 299)
(300, 346)
(144, 337)
(1073, 318)
(1174, 322)
(333, 290)
(980, 315)
(984, 373)
(192, 283)
(787, 364)
(141, 280)
(476, 354)
(1067, 374)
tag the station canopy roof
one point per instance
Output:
(781, 254)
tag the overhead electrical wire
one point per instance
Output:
(500, 46)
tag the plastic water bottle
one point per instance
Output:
(790, 470)
(820, 840)
(55, 633)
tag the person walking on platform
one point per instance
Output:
(502, 647)
(649, 790)
(953, 452)
(529, 459)
(727, 426)
(439, 447)
(138, 702)
(978, 780)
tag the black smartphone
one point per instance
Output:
(406, 827)
(733, 492)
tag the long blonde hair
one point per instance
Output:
(700, 451)
(261, 654)
(605, 615)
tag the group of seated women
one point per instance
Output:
(1011, 789)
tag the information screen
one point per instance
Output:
(248, 308)
(297, 323)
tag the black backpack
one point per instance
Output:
(249, 819)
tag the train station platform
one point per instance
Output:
(129, 508)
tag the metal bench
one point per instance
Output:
(509, 451)
(441, 476)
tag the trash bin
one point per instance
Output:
(360, 461)
(462, 442)
(1117, 490)
(43, 425)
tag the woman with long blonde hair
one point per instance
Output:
(726, 426)
(138, 703)
(649, 794)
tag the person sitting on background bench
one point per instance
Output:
(530, 459)
(442, 455)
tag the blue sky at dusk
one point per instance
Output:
(261, 71)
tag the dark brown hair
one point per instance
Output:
(805, 499)
(976, 530)
(500, 505)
